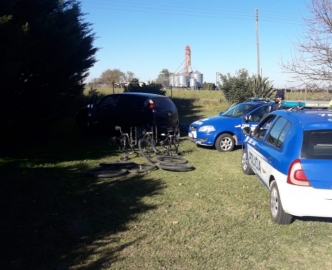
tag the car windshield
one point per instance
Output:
(317, 144)
(238, 110)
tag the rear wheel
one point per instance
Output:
(171, 159)
(277, 212)
(143, 168)
(245, 164)
(176, 167)
(147, 150)
(225, 142)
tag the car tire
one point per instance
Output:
(225, 143)
(277, 212)
(245, 164)
(171, 159)
(176, 167)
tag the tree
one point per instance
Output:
(236, 88)
(209, 86)
(312, 62)
(128, 76)
(153, 88)
(163, 78)
(262, 87)
(46, 52)
(112, 76)
(242, 86)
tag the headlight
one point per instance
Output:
(206, 129)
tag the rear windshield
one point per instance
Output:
(163, 104)
(317, 144)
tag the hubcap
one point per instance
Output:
(244, 161)
(274, 202)
(226, 143)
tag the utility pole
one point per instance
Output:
(257, 42)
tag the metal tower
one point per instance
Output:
(187, 54)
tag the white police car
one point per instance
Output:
(291, 154)
(224, 131)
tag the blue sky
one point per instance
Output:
(146, 36)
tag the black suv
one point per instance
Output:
(129, 109)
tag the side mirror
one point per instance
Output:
(220, 113)
(246, 131)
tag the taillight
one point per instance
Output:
(152, 105)
(296, 175)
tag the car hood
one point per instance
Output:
(213, 120)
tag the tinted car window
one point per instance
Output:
(131, 103)
(261, 129)
(317, 144)
(109, 101)
(257, 115)
(164, 104)
(278, 132)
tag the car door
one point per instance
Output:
(108, 111)
(252, 119)
(267, 155)
(256, 149)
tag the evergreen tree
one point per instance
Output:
(47, 50)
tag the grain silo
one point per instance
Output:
(186, 77)
(198, 77)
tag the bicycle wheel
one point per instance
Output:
(117, 163)
(147, 150)
(176, 167)
(107, 172)
(143, 168)
(171, 160)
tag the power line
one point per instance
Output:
(190, 11)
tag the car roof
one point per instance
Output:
(310, 119)
(141, 94)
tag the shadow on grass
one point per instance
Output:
(59, 218)
(188, 112)
(314, 219)
(56, 217)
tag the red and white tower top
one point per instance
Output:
(187, 59)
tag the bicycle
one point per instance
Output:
(147, 146)
(164, 158)
(171, 142)
(125, 140)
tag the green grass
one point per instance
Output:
(56, 217)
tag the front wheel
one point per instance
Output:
(225, 143)
(245, 164)
(277, 212)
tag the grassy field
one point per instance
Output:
(56, 217)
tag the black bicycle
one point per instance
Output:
(148, 146)
(125, 142)
(163, 154)
(170, 145)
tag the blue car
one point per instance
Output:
(224, 131)
(291, 154)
